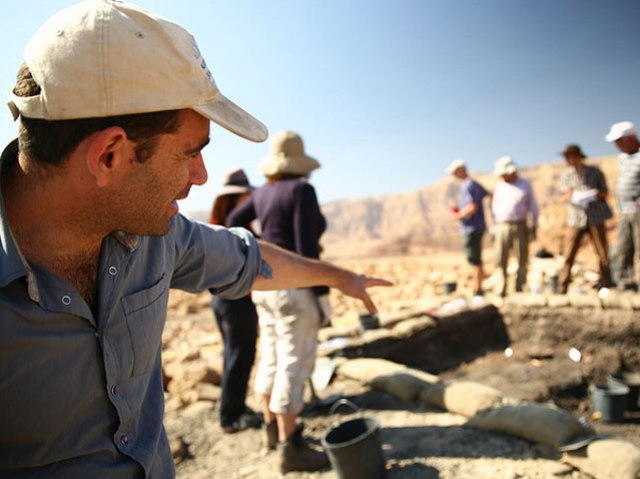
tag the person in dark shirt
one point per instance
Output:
(470, 213)
(585, 192)
(290, 217)
(237, 320)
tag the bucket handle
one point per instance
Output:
(343, 402)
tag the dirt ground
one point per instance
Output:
(417, 444)
(420, 443)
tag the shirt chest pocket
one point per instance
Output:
(145, 313)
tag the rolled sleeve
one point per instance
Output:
(225, 261)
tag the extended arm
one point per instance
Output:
(293, 271)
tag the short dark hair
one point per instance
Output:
(222, 206)
(51, 141)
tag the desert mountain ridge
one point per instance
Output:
(420, 221)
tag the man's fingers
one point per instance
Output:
(369, 304)
(369, 282)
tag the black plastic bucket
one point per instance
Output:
(354, 449)
(368, 321)
(632, 381)
(610, 400)
(449, 287)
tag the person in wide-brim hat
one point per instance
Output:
(290, 216)
(287, 156)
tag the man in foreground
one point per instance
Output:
(115, 105)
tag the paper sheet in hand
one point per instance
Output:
(583, 198)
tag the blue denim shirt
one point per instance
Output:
(81, 395)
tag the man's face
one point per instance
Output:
(510, 177)
(628, 144)
(460, 173)
(573, 159)
(149, 196)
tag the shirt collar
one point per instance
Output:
(13, 265)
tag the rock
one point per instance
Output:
(179, 448)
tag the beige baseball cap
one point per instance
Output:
(104, 58)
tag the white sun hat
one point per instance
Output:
(287, 156)
(454, 165)
(103, 58)
(620, 129)
(505, 166)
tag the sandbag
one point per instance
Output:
(409, 327)
(462, 397)
(402, 385)
(365, 369)
(607, 459)
(536, 422)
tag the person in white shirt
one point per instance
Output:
(623, 134)
(515, 215)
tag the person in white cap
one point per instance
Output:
(115, 105)
(470, 213)
(289, 215)
(624, 135)
(515, 214)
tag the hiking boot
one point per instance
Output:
(296, 455)
(247, 420)
(271, 433)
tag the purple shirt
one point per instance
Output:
(472, 192)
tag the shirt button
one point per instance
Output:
(114, 390)
(124, 440)
(66, 300)
(113, 270)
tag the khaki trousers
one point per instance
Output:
(512, 235)
(289, 324)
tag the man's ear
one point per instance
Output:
(106, 153)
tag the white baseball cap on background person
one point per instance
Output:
(504, 166)
(102, 58)
(454, 166)
(619, 130)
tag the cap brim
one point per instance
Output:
(228, 115)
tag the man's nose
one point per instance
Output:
(198, 172)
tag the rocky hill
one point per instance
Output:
(420, 220)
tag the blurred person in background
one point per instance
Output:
(584, 189)
(237, 320)
(290, 217)
(624, 135)
(470, 213)
(513, 206)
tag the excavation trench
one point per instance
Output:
(530, 353)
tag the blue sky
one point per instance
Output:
(386, 93)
